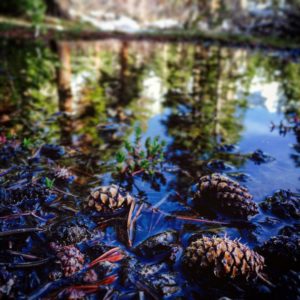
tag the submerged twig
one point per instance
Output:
(21, 231)
(55, 189)
(22, 214)
(265, 280)
(17, 253)
(112, 255)
(7, 171)
(191, 219)
(14, 216)
(94, 286)
(26, 264)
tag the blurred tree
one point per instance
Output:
(206, 112)
(34, 10)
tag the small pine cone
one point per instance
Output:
(282, 252)
(108, 199)
(223, 257)
(70, 258)
(69, 232)
(225, 194)
(284, 204)
(69, 235)
(62, 173)
(27, 194)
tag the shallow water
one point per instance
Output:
(195, 97)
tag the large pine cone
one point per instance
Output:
(282, 252)
(223, 257)
(108, 199)
(287, 286)
(70, 258)
(225, 194)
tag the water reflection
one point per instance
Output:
(102, 88)
(213, 105)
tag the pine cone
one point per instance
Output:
(284, 204)
(26, 194)
(108, 199)
(225, 194)
(282, 252)
(69, 234)
(224, 257)
(287, 286)
(70, 258)
(62, 173)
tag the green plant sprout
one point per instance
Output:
(27, 143)
(138, 158)
(49, 183)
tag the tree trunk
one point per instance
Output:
(64, 77)
(59, 8)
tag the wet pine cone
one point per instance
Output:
(108, 199)
(26, 194)
(226, 194)
(284, 204)
(223, 257)
(288, 286)
(282, 252)
(70, 258)
(69, 234)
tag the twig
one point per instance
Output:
(82, 172)
(26, 264)
(20, 231)
(155, 224)
(38, 217)
(131, 227)
(14, 216)
(129, 221)
(260, 276)
(55, 189)
(110, 220)
(200, 220)
(187, 218)
(138, 213)
(159, 203)
(28, 256)
(96, 285)
(137, 172)
(111, 255)
(7, 171)
(70, 208)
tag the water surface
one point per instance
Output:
(89, 97)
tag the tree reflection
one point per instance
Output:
(205, 110)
